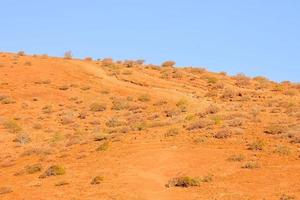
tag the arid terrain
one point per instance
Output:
(74, 129)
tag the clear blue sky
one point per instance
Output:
(256, 37)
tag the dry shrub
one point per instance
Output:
(212, 80)
(64, 87)
(106, 62)
(257, 145)
(67, 118)
(223, 134)
(168, 64)
(119, 104)
(202, 123)
(68, 55)
(237, 122)
(54, 170)
(47, 109)
(31, 169)
(22, 139)
(172, 132)
(36, 151)
(282, 150)
(184, 181)
(160, 102)
(12, 126)
(229, 93)
(144, 98)
(212, 109)
(287, 197)
(114, 122)
(275, 129)
(5, 190)
(88, 59)
(250, 165)
(6, 100)
(103, 147)
(97, 180)
(291, 92)
(97, 107)
(236, 158)
(21, 53)
(242, 80)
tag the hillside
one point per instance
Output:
(84, 129)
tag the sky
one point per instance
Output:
(254, 37)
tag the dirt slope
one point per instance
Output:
(137, 127)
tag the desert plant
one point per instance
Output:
(196, 125)
(5, 190)
(212, 109)
(113, 122)
(68, 55)
(119, 105)
(223, 134)
(287, 197)
(64, 87)
(172, 132)
(47, 109)
(22, 139)
(250, 165)
(184, 181)
(97, 180)
(62, 183)
(12, 126)
(31, 169)
(103, 147)
(54, 170)
(144, 98)
(282, 150)
(275, 129)
(97, 107)
(242, 80)
(257, 145)
(236, 158)
(168, 64)
(21, 53)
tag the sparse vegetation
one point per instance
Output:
(54, 170)
(31, 169)
(97, 107)
(12, 126)
(168, 64)
(250, 165)
(184, 181)
(97, 180)
(282, 150)
(144, 98)
(236, 158)
(22, 139)
(257, 145)
(103, 147)
(5, 190)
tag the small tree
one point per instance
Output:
(68, 55)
